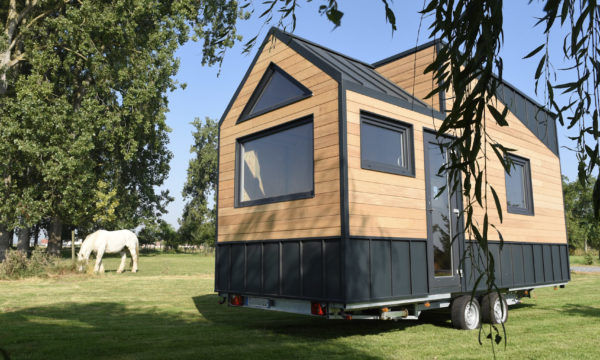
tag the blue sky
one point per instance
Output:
(364, 35)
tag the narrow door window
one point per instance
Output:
(439, 211)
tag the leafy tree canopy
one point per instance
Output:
(582, 227)
(82, 105)
(197, 224)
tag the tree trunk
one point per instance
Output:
(54, 236)
(4, 60)
(5, 239)
(23, 238)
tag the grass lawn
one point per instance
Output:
(580, 260)
(169, 311)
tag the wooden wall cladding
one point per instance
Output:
(382, 204)
(409, 73)
(317, 216)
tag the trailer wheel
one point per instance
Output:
(494, 309)
(465, 312)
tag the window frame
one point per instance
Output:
(258, 91)
(406, 129)
(261, 134)
(527, 190)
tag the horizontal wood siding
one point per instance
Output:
(409, 73)
(382, 204)
(314, 217)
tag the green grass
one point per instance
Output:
(580, 260)
(169, 311)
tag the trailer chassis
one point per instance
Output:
(465, 308)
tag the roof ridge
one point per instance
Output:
(433, 42)
(385, 85)
(322, 47)
(405, 53)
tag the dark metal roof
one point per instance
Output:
(354, 74)
(405, 53)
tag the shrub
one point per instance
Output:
(17, 265)
(588, 259)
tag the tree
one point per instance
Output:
(197, 224)
(582, 228)
(158, 231)
(214, 21)
(82, 103)
(167, 233)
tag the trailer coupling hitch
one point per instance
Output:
(222, 300)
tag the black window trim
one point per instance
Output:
(394, 125)
(529, 210)
(270, 131)
(245, 115)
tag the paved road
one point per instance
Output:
(592, 269)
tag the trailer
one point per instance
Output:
(329, 204)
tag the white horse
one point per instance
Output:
(111, 242)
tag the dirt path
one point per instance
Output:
(589, 269)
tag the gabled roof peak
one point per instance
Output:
(275, 29)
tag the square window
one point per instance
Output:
(386, 145)
(519, 198)
(276, 164)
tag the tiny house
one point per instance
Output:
(328, 176)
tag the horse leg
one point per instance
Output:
(123, 259)
(134, 259)
(99, 266)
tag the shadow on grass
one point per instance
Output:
(304, 326)
(521, 306)
(108, 330)
(581, 310)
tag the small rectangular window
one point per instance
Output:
(519, 195)
(276, 164)
(386, 145)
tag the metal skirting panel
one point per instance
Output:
(519, 265)
(377, 269)
(385, 268)
(303, 269)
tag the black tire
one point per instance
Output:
(492, 312)
(465, 313)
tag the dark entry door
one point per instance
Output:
(444, 235)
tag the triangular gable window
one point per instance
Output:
(275, 89)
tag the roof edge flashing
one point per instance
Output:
(416, 107)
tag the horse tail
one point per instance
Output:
(137, 249)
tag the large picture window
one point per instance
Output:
(386, 145)
(519, 198)
(276, 164)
